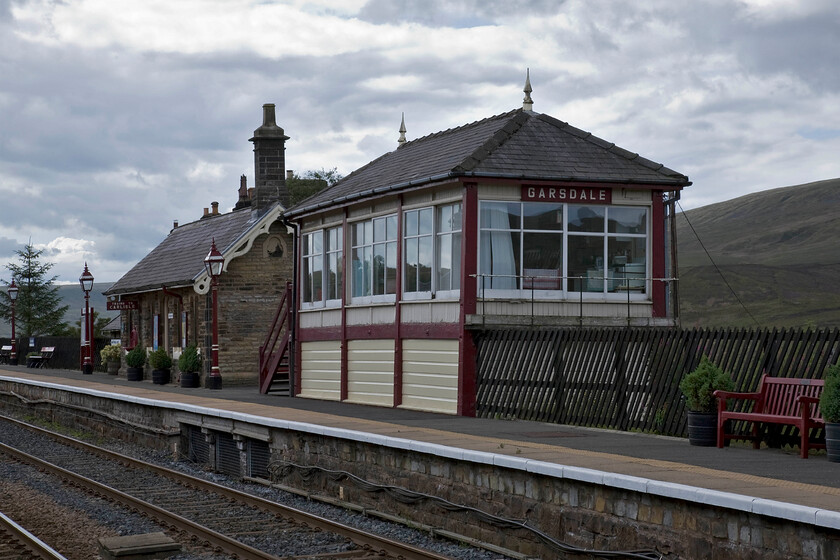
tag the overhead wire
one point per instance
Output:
(717, 268)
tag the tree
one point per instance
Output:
(99, 323)
(37, 309)
(310, 182)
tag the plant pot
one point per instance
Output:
(160, 376)
(112, 367)
(702, 428)
(832, 441)
(134, 374)
(189, 379)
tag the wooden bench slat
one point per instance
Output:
(779, 400)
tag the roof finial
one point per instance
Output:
(527, 103)
(402, 139)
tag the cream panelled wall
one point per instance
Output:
(321, 364)
(370, 372)
(430, 375)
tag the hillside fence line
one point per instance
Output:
(628, 378)
(66, 354)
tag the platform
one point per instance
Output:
(767, 481)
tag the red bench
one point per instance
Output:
(779, 400)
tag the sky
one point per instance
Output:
(118, 118)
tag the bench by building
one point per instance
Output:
(42, 359)
(5, 354)
(779, 401)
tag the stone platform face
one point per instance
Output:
(586, 498)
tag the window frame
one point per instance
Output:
(323, 254)
(435, 235)
(372, 244)
(519, 233)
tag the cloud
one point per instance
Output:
(125, 116)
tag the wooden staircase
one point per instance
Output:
(276, 352)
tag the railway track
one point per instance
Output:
(18, 543)
(220, 518)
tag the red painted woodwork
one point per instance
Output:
(659, 289)
(779, 400)
(469, 267)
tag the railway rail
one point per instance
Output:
(16, 542)
(221, 518)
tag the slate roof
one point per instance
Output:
(179, 258)
(519, 145)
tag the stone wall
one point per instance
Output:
(591, 516)
(581, 514)
(249, 293)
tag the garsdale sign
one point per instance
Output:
(596, 195)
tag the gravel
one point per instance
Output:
(116, 521)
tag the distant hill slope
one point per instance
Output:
(73, 296)
(778, 249)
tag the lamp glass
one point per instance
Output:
(13, 291)
(214, 261)
(86, 280)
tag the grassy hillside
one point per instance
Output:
(779, 250)
(73, 296)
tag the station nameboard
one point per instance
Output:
(122, 305)
(567, 194)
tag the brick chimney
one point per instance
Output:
(244, 199)
(269, 163)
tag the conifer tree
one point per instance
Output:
(37, 309)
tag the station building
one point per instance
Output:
(165, 299)
(516, 219)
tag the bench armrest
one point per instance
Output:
(805, 407)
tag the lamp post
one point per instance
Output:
(13, 292)
(86, 280)
(214, 262)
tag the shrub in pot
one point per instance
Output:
(830, 409)
(111, 357)
(189, 364)
(698, 387)
(161, 364)
(135, 360)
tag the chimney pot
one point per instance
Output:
(206, 212)
(269, 164)
(290, 174)
(215, 206)
(175, 224)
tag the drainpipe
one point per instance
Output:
(294, 303)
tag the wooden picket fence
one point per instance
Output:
(628, 378)
(66, 355)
